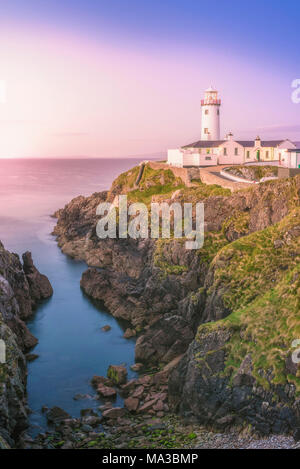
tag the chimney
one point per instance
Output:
(229, 136)
(257, 142)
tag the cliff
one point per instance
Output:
(21, 288)
(230, 307)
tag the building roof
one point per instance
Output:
(263, 143)
(244, 143)
(205, 144)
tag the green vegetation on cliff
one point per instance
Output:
(259, 276)
(155, 182)
(161, 182)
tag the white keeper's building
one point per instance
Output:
(211, 150)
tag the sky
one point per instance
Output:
(117, 78)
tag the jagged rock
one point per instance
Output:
(16, 301)
(164, 340)
(200, 392)
(57, 415)
(129, 333)
(39, 285)
(31, 357)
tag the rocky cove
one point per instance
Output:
(214, 327)
(224, 317)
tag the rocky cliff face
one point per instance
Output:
(167, 292)
(21, 287)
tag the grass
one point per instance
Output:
(261, 287)
(268, 325)
(238, 222)
(251, 265)
(202, 192)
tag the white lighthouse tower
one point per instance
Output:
(210, 128)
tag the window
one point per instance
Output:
(236, 151)
(207, 151)
(206, 131)
(206, 111)
(224, 151)
(208, 157)
(248, 154)
(267, 154)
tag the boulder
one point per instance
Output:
(147, 406)
(57, 414)
(131, 404)
(129, 386)
(159, 406)
(106, 328)
(139, 391)
(114, 413)
(106, 391)
(117, 373)
(96, 380)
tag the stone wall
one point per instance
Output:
(288, 172)
(186, 174)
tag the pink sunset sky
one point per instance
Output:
(70, 93)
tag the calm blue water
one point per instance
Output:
(72, 347)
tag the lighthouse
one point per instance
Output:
(210, 125)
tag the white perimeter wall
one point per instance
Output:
(175, 158)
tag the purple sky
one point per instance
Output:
(117, 78)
